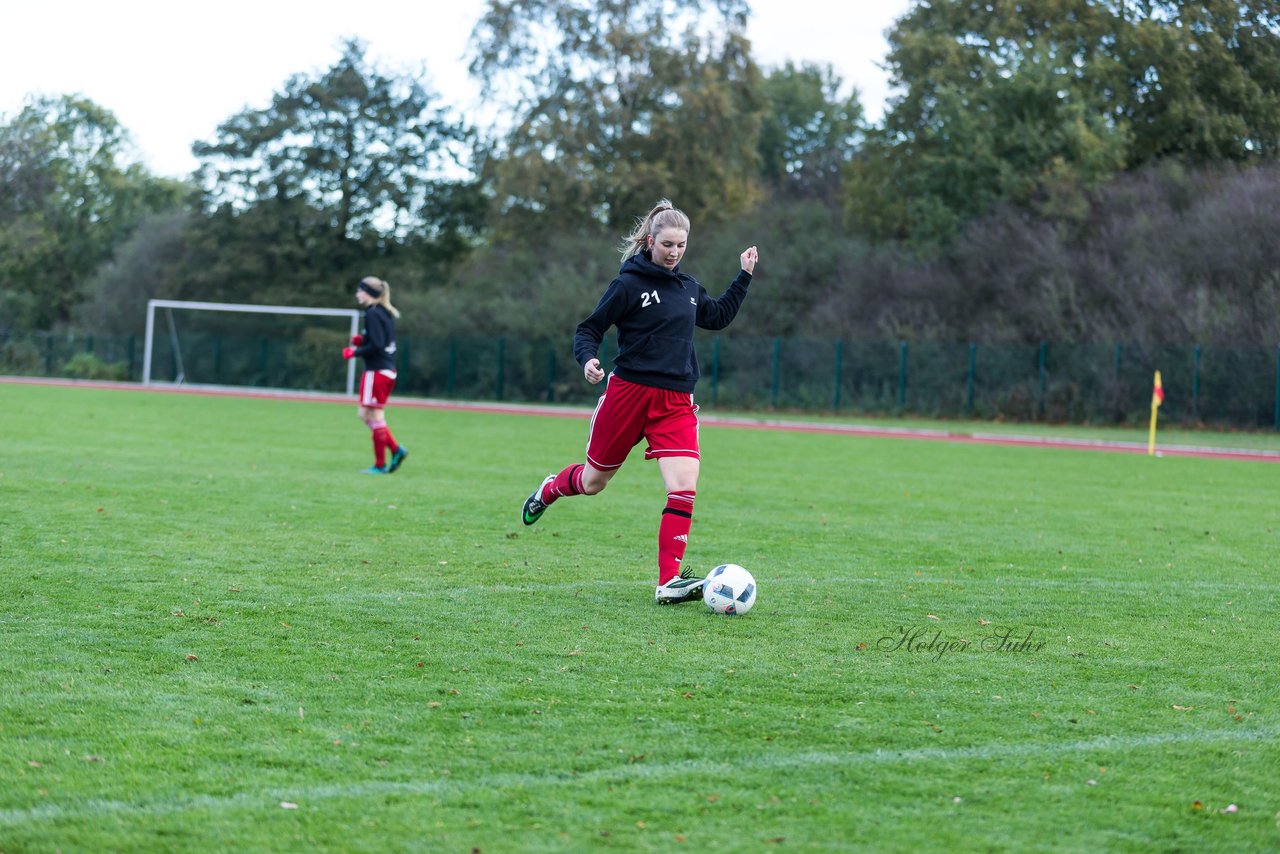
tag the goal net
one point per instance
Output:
(233, 344)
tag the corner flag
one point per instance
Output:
(1157, 398)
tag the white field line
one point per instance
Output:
(1160, 585)
(308, 796)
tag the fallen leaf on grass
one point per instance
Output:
(1196, 805)
(1182, 708)
(191, 657)
(932, 617)
(983, 622)
(287, 805)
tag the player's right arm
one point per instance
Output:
(591, 331)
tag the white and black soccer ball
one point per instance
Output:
(729, 589)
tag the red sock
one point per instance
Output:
(568, 482)
(380, 446)
(389, 440)
(673, 533)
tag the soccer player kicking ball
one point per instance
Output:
(649, 395)
(377, 346)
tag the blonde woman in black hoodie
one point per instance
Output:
(376, 345)
(655, 307)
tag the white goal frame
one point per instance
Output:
(153, 304)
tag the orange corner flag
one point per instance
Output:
(1157, 398)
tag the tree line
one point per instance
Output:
(1068, 170)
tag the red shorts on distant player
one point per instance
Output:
(375, 388)
(628, 412)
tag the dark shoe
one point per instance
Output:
(397, 457)
(683, 588)
(533, 506)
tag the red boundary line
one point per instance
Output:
(713, 420)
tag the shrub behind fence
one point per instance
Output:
(1049, 382)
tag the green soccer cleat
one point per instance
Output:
(397, 457)
(533, 505)
(375, 470)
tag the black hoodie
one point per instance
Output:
(379, 347)
(656, 310)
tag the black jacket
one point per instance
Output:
(379, 347)
(655, 311)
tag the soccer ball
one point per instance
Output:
(729, 589)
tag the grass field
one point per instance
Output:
(216, 635)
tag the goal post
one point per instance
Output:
(189, 305)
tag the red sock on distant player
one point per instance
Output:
(568, 482)
(673, 533)
(389, 440)
(380, 435)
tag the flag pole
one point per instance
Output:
(1157, 398)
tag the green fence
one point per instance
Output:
(1049, 382)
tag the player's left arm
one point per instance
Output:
(376, 335)
(719, 312)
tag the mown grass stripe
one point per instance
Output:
(303, 796)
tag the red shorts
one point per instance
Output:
(375, 388)
(628, 412)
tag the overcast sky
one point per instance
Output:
(173, 71)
